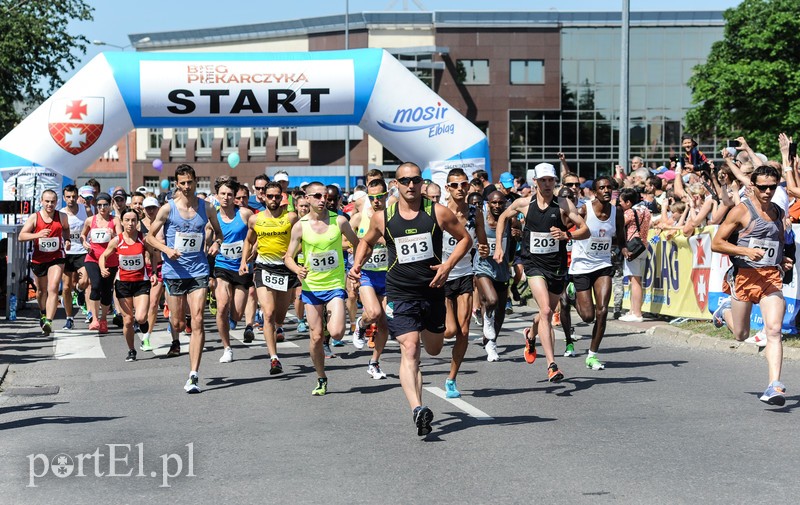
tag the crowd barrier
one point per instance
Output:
(683, 278)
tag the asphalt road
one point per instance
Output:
(661, 424)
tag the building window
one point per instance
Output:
(287, 143)
(180, 136)
(232, 138)
(258, 139)
(527, 72)
(473, 71)
(205, 137)
(154, 138)
(152, 184)
(204, 185)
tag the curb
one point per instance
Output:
(685, 338)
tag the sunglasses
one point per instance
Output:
(372, 198)
(405, 181)
(260, 188)
(572, 184)
(766, 187)
(273, 197)
(317, 196)
(456, 185)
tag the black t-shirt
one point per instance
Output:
(408, 278)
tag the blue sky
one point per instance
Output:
(114, 20)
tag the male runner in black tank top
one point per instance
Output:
(544, 255)
(412, 229)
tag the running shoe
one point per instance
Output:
(275, 366)
(775, 394)
(47, 327)
(530, 346)
(509, 307)
(556, 320)
(488, 326)
(191, 386)
(231, 324)
(302, 327)
(571, 292)
(212, 304)
(94, 325)
(174, 349)
(248, 334)
(188, 329)
(89, 318)
(759, 339)
(525, 292)
(70, 324)
(477, 317)
(514, 292)
(322, 387)
(166, 311)
(553, 373)
(630, 318)
(594, 363)
(359, 337)
(136, 327)
(327, 350)
(422, 419)
(117, 320)
(337, 343)
(491, 351)
(131, 355)
(373, 328)
(450, 389)
(374, 369)
(145, 345)
(718, 316)
(569, 352)
(279, 335)
(259, 318)
(80, 301)
(227, 356)
(103, 327)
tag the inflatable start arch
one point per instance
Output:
(118, 91)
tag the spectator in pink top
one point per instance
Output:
(629, 202)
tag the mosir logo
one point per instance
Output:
(431, 118)
(76, 124)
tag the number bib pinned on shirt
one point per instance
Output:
(543, 243)
(277, 282)
(187, 242)
(100, 235)
(599, 247)
(232, 251)
(323, 262)
(378, 261)
(770, 248)
(413, 248)
(493, 245)
(49, 244)
(131, 263)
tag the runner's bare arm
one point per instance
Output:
(366, 244)
(621, 232)
(214, 222)
(515, 208)
(738, 218)
(450, 223)
(27, 234)
(570, 214)
(480, 234)
(347, 231)
(65, 231)
(110, 249)
(155, 227)
(294, 246)
(248, 248)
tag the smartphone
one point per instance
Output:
(733, 143)
(792, 150)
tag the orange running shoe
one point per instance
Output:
(553, 373)
(371, 335)
(557, 318)
(166, 311)
(103, 327)
(530, 348)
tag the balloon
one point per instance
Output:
(426, 174)
(158, 165)
(233, 160)
(165, 184)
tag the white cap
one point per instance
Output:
(150, 202)
(545, 170)
(358, 194)
(530, 177)
(304, 184)
(280, 176)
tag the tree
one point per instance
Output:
(35, 50)
(750, 84)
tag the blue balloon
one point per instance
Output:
(233, 160)
(426, 174)
(165, 184)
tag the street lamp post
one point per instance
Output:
(347, 127)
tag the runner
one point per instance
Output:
(96, 234)
(302, 206)
(151, 207)
(491, 277)
(133, 286)
(372, 287)
(185, 268)
(323, 276)
(591, 267)
(75, 277)
(232, 287)
(544, 255)
(757, 272)
(49, 230)
(333, 204)
(570, 188)
(459, 286)
(415, 279)
(274, 282)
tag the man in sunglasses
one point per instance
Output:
(333, 201)
(322, 274)
(544, 255)
(757, 272)
(258, 201)
(275, 283)
(372, 286)
(412, 229)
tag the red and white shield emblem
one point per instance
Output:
(76, 124)
(701, 267)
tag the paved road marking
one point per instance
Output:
(76, 344)
(461, 404)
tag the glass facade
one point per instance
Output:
(586, 127)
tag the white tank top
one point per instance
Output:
(464, 266)
(75, 226)
(594, 253)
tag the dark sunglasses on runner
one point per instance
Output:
(766, 187)
(405, 181)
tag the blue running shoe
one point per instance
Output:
(450, 389)
(69, 324)
(718, 316)
(231, 324)
(775, 394)
(302, 327)
(337, 343)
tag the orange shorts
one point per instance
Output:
(753, 284)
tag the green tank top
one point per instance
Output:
(379, 261)
(323, 256)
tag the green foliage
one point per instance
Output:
(750, 84)
(35, 48)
